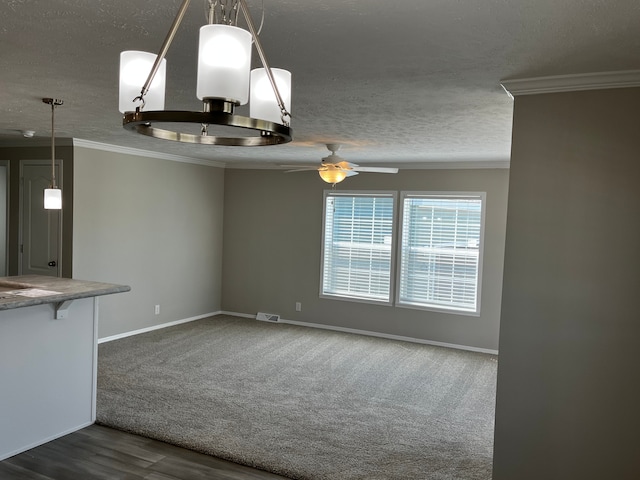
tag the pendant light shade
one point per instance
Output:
(52, 198)
(224, 63)
(263, 103)
(135, 67)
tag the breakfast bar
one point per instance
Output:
(48, 358)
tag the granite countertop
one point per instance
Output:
(29, 290)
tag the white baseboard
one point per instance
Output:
(373, 334)
(305, 324)
(157, 327)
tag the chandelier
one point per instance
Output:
(225, 80)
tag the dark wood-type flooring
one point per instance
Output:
(98, 452)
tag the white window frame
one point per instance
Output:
(433, 307)
(360, 193)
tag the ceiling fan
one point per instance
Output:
(335, 169)
(13, 132)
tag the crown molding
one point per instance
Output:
(571, 83)
(78, 142)
(453, 165)
(61, 142)
(423, 165)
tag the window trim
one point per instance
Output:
(392, 266)
(400, 212)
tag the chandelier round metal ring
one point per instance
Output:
(270, 133)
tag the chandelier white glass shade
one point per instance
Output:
(135, 67)
(53, 195)
(224, 61)
(263, 103)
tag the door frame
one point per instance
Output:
(7, 199)
(59, 177)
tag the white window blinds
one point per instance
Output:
(357, 246)
(440, 251)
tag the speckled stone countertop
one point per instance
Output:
(29, 290)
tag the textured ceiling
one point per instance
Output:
(397, 82)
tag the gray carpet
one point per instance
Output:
(302, 402)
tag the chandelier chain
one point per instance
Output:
(223, 12)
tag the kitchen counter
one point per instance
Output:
(48, 358)
(29, 290)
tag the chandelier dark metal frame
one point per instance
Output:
(216, 111)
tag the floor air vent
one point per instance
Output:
(268, 317)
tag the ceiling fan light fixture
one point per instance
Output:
(224, 60)
(335, 169)
(331, 174)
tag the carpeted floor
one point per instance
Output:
(302, 402)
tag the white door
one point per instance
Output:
(40, 229)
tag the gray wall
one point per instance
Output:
(272, 241)
(568, 395)
(153, 224)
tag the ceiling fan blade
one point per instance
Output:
(346, 165)
(300, 165)
(376, 169)
(12, 132)
(307, 169)
(350, 173)
(299, 168)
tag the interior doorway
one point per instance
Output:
(40, 230)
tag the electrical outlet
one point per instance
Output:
(298, 307)
(157, 310)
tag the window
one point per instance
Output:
(440, 251)
(357, 245)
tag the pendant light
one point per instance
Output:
(53, 195)
(224, 81)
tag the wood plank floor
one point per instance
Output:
(98, 452)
